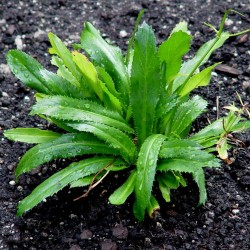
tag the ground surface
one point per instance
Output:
(92, 223)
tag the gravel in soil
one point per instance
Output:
(92, 223)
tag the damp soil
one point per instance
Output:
(92, 223)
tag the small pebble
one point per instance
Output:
(229, 22)
(108, 245)
(242, 38)
(12, 183)
(39, 33)
(4, 69)
(19, 42)
(75, 247)
(211, 214)
(11, 166)
(26, 98)
(246, 84)
(72, 216)
(41, 36)
(35, 170)
(10, 30)
(86, 234)
(74, 37)
(2, 21)
(123, 34)
(158, 225)
(235, 211)
(120, 232)
(4, 94)
(147, 242)
(20, 188)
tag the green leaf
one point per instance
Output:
(31, 135)
(66, 146)
(107, 79)
(59, 49)
(211, 134)
(165, 191)
(188, 68)
(222, 148)
(153, 206)
(146, 168)
(180, 179)
(199, 178)
(65, 108)
(109, 100)
(118, 167)
(185, 156)
(169, 180)
(59, 124)
(187, 165)
(145, 82)
(172, 50)
(61, 179)
(60, 86)
(112, 136)
(179, 148)
(212, 130)
(186, 114)
(241, 126)
(200, 79)
(181, 26)
(32, 74)
(65, 73)
(165, 111)
(28, 70)
(129, 54)
(166, 104)
(88, 73)
(124, 191)
(85, 181)
(108, 57)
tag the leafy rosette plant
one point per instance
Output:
(133, 112)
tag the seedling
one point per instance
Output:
(131, 113)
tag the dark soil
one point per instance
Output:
(92, 223)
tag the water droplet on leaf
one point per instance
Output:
(151, 162)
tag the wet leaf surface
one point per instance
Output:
(59, 222)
